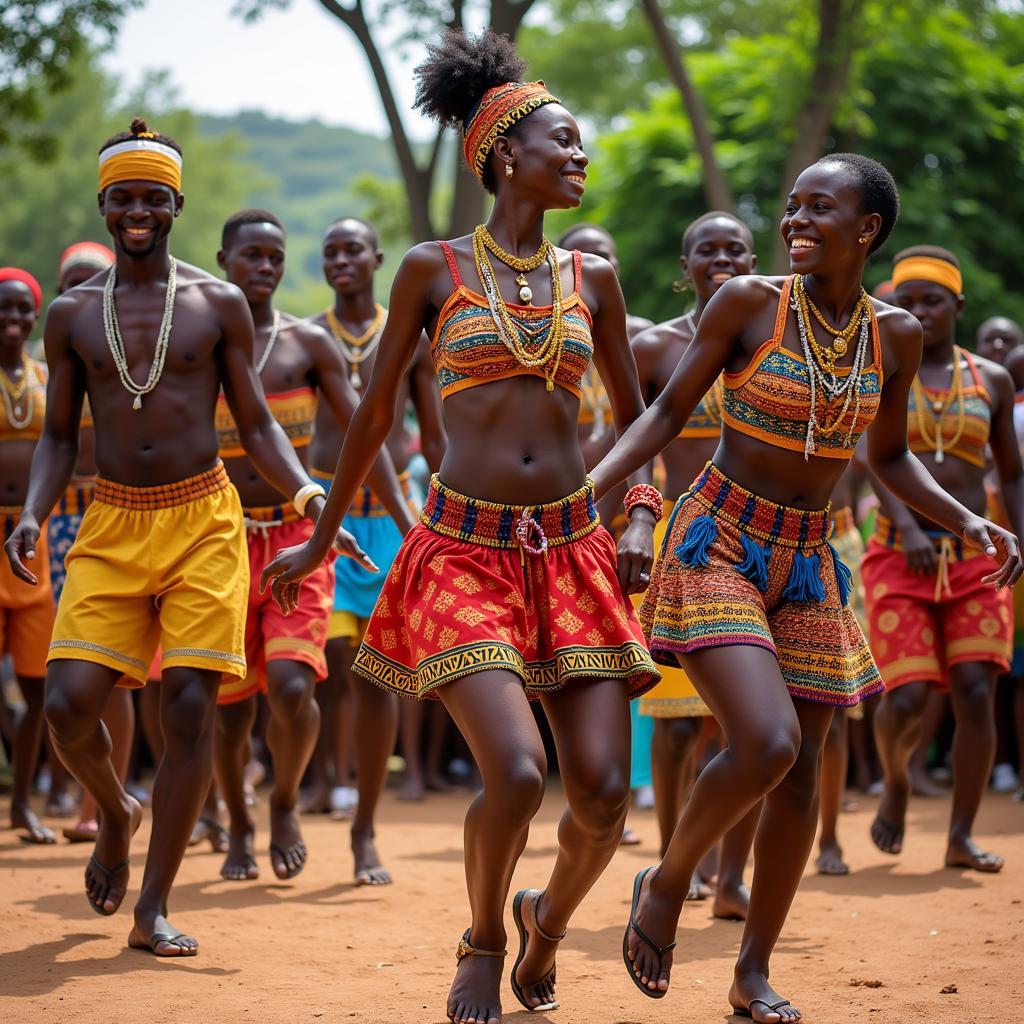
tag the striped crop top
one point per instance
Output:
(964, 426)
(294, 411)
(770, 398)
(29, 411)
(467, 350)
(706, 420)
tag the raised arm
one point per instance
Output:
(333, 384)
(426, 400)
(53, 461)
(901, 473)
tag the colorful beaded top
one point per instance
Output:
(951, 421)
(468, 352)
(706, 420)
(294, 411)
(25, 406)
(770, 399)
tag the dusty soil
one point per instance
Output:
(878, 946)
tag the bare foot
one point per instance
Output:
(752, 996)
(658, 917)
(106, 874)
(830, 859)
(887, 828)
(85, 831)
(731, 902)
(240, 864)
(369, 870)
(153, 932)
(473, 997)
(63, 805)
(214, 832)
(699, 889)
(537, 954)
(287, 848)
(965, 853)
(412, 789)
(36, 833)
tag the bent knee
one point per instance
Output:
(290, 695)
(517, 791)
(68, 715)
(679, 735)
(770, 755)
(601, 808)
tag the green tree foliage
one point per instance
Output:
(937, 97)
(40, 41)
(45, 207)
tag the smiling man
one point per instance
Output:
(160, 556)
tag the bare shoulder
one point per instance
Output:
(309, 331)
(748, 295)
(66, 308)
(1015, 366)
(659, 338)
(426, 258)
(596, 269)
(218, 292)
(997, 379)
(896, 326)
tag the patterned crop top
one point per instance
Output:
(294, 411)
(966, 439)
(29, 410)
(770, 398)
(468, 352)
(706, 420)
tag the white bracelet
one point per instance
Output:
(304, 495)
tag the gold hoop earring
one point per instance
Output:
(509, 171)
(863, 240)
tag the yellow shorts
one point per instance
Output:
(26, 612)
(345, 625)
(163, 565)
(675, 696)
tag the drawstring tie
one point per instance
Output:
(526, 529)
(947, 554)
(263, 528)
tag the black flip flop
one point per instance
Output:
(156, 938)
(772, 1007)
(655, 993)
(283, 854)
(517, 916)
(109, 874)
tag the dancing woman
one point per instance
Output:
(490, 603)
(748, 592)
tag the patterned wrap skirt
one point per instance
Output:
(479, 586)
(736, 568)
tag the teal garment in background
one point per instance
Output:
(641, 729)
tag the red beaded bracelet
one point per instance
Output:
(647, 496)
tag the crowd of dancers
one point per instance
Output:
(219, 496)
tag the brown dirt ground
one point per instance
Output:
(318, 949)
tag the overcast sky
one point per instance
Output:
(300, 63)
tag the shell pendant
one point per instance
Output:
(355, 379)
(137, 404)
(940, 455)
(525, 292)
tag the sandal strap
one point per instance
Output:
(660, 950)
(536, 924)
(466, 948)
(771, 1006)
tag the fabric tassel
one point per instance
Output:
(700, 535)
(804, 583)
(844, 578)
(755, 562)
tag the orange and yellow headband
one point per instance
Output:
(500, 108)
(140, 159)
(928, 268)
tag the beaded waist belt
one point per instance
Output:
(843, 521)
(531, 528)
(953, 547)
(756, 516)
(266, 517)
(148, 499)
(366, 504)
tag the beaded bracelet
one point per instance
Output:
(304, 495)
(646, 496)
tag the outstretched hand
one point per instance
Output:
(21, 545)
(292, 565)
(999, 544)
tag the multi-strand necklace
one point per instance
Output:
(522, 266)
(821, 365)
(19, 417)
(939, 407)
(271, 341)
(543, 350)
(115, 341)
(358, 349)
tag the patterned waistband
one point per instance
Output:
(946, 544)
(265, 517)
(366, 504)
(756, 516)
(149, 499)
(843, 521)
(532, 528)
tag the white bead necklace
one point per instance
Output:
(115, 342)
(271, 341)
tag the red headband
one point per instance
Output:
(85, 254)
(17, 274)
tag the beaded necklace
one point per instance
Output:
(544, 352)
(522, 265)
(14, 393)
(828, 355)
(822, 377)
(940, 407)
(115, 342)
(271, 341)
(358, 350)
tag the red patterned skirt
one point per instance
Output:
(480, 586)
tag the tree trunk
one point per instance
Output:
(716, 188)
(837, 35)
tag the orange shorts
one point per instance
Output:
(920, 626)
(26, 612)
(270, 635)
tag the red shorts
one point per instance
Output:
(920, 626)
(270, 635)
(26, 612)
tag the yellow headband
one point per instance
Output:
(140, 159)
(928, 268)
